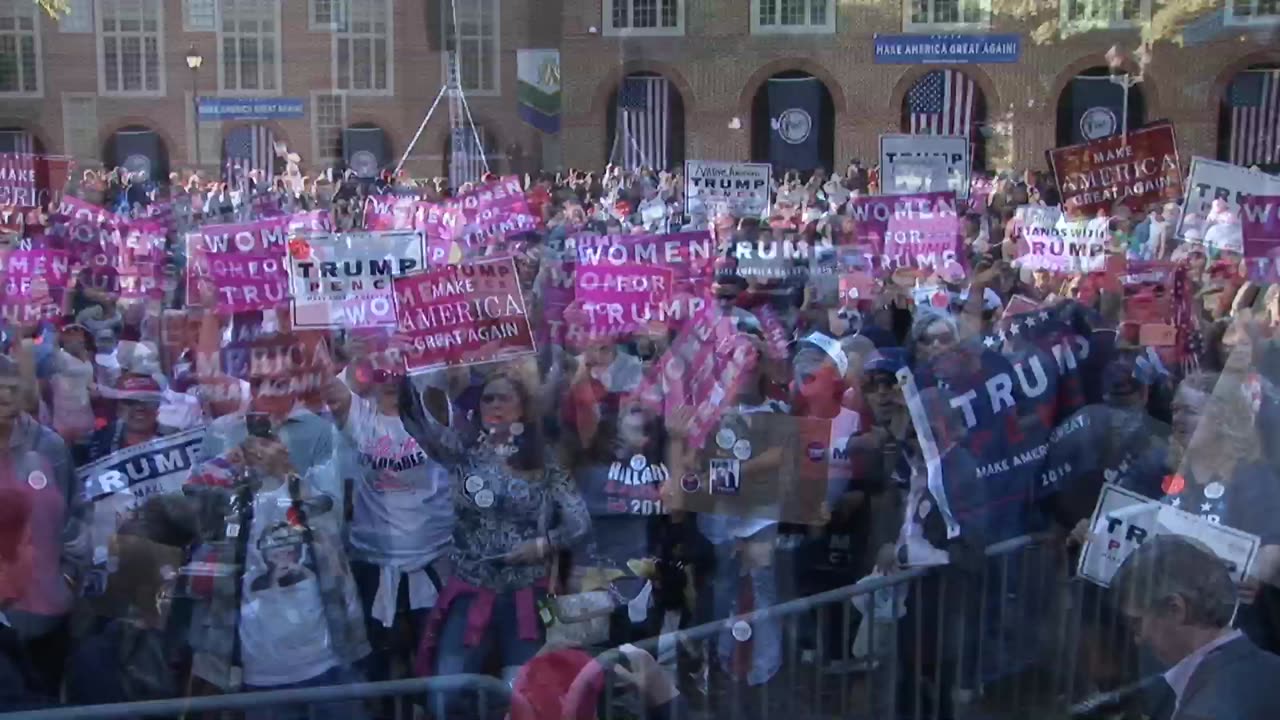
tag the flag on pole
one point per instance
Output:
(643, 133)
(248, 148)
(942, 103)
(1254, 137)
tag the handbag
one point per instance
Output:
(578, 619)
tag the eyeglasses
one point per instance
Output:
(490, 398)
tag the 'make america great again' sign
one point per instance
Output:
(1136, 171)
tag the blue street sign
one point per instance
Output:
(954, 49)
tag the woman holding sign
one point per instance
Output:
(515, 509)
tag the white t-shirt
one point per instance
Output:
(403, 512)
(284, 636)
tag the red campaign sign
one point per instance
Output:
(702, 372)
(1138, 171)
(921, 230)
(1260, 225)
(464, 314)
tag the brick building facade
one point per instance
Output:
(115, 64)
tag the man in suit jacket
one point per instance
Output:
(1180, 600)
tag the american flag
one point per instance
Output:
(248, 148)
(644, 122)
(466, 157)
(942, 103)
(1255, 118)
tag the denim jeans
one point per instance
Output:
(766, 635)
(454, 657)
(335, 710)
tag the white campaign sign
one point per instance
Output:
(1123, 520)
(344, 280)
(121, 481)
(924, 163)
(1059, 244)
(1211, 180)
(742, 188)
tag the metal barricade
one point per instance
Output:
(985, 637)
(491, 694)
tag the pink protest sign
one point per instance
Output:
(389, 212)
(311, 221)
(486, 216)
(244, 263)
(104, 242)
(142, 256)
(33, 284)
(1260, 225)
(920, 231)
(621, 299)
(18, 180)
(464, 314)
(701, 373)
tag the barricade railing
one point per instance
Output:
(490, 694)
(966, 635)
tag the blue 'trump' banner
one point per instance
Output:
(214, 109)
(954, 49)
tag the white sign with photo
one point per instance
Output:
(924, 163)
(1123, 520)
(742, 188)
(1217, 225)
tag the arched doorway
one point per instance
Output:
(1092, 106)
(793, 88)
(947, 102)
(248, 148)
(366, 149)
(138, 149)
(645, 123)
(1249, 118)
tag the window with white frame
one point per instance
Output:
(643, 17)
(1253, 12)
(326, 14)
(130, 47)
(199, 15)
(249, 34)
(19, 47)
(328, 118)
(1103, 14)
(793, 16)
(78, 18)
(946, 14)
(476, 43)
(363, 60)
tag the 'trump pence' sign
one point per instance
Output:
(1123, 520)
(345, 280)
(742, 188)
(924, 163)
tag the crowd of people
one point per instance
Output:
(198, 501)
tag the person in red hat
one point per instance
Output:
(568, 684)
(137, 399)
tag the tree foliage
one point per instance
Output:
(54, 8)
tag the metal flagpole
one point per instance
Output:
(421, 127)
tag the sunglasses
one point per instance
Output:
(940, 339)
(490, 398)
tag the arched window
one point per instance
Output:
(947, 102)
(645, 123)
(1092, 106)
(793, 123)
(1249, 118)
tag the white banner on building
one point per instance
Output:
(742, 188)
(344, 280)
(1219, 226)
(924, 163)
(1123, 520)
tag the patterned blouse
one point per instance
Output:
(497, 509)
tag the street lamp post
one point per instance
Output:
(1115, 60)
(194, 61)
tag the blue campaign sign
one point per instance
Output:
(214, 109)
(956, 49)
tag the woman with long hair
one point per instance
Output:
(515, 508)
